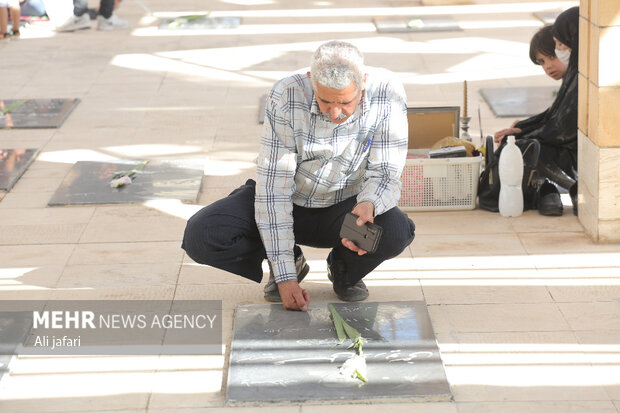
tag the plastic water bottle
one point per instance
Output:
(510, 177)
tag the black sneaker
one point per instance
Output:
(272, 293)
(357, 292)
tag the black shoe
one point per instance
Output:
(549, 201)
(573, 197)
(357, 292)
(272, 293)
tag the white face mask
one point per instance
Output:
(563, 55)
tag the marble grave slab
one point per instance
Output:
(199, 22)
(13, 164)
(88, 182)
(413, 24)
(288, 356)
(519, 101)
(35, 113)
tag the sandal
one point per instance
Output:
(15, 35)
(6, 37)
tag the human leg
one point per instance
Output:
(79, 20)
(224, 235)
(15, 17)
(80, 7)
(320, 227)
(4, 22)
(108, 19)
(557, 164)
(106, 8)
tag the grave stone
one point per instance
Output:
(13, 164)
(415, 24)
(88, 182)
(288, 356)
(35, 113)
(519, 101)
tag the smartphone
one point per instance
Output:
(366, 237)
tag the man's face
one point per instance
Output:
(552, 66)
(338, 104)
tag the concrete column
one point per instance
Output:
(599, 119)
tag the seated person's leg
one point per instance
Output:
(224, 235)
(558, 165)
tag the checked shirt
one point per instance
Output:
(306, 160)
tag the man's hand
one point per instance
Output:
(293, 296)
(365, 211)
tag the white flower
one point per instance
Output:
(118, 182)
(355, 367)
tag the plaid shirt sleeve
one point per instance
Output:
(388, 150)
(276, 166)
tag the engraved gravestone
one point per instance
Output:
(199, 22)
(413, 24)
(519, 101)
(13, 164)
(280, 355)
(35, 113)
(88, 182)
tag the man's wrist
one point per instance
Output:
(374, 208)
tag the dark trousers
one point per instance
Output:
(224, 235)
(106, 7)
(558, 164)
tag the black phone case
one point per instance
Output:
(366, 237)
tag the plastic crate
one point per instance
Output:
(439, 184)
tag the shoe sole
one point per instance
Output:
(360, 297)
(551, 213)
(73, 30)
(352, 300)
(275, 296)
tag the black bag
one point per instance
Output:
(489, 184)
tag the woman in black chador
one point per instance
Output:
(556, 127)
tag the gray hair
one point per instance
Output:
(336, 64)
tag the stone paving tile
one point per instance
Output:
(497, 318)
(131, 223)
(525, 309)
(127, 253)
(537, 407)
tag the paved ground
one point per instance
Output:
(526, 310)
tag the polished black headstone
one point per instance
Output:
(519, 101)
(35, 113)
(408, 24)
(13, 164)
(200, 22)
(280, 355)
(88, 182)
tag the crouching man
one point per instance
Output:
(334, 141)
